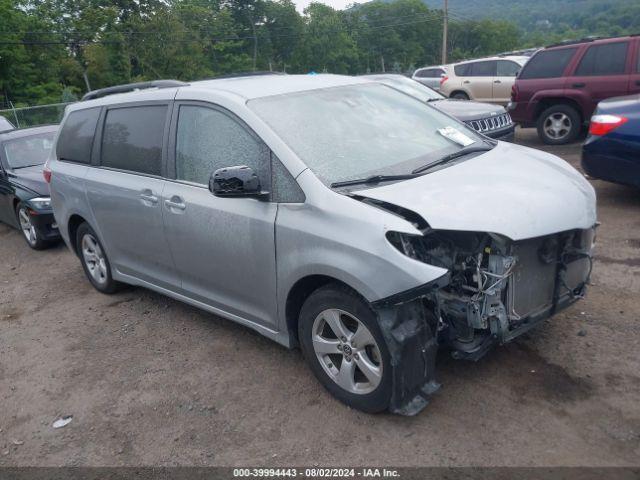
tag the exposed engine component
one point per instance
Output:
(499, 288)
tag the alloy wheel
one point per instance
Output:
(347, 351)
(557, 126)
(28, 230)
(94, 258)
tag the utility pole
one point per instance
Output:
(445, 21)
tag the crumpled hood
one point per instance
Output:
(512, 190)
(466, 110)
(32, 179)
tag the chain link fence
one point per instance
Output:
(32, 116)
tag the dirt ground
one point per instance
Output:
(150, 381)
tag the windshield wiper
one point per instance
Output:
(451, 156)
(374, 179)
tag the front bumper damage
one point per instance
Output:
(409, 326)
(495, 291)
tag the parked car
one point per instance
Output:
(330, 212)
(485, 80)
(490, 120)
(612, 149)
(5, 125)
(24, 194)
(559, 88)
(429, 76)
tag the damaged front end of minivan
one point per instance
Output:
(495, 290)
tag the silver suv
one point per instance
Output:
(327, 212)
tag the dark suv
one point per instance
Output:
(559, 88)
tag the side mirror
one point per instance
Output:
(238, 181)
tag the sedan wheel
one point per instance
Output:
(28, 230)
(94, 259)
(347, 351)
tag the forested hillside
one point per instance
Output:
(604, 17)
(52, 51)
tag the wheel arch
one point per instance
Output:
(460, 90)
(72, 228)
(547, 102)
(298, 294)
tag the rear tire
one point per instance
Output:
(460, 96)
(94, 260)
(29, 232)
(343, 345)
(559, 124)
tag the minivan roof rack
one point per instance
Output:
(257, 73)
(130, 87)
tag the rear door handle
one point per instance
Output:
(497, 81)
(148, 197)
(466, 82)
(579, 85)
(176, 203)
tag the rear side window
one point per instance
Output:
(484, 69)
(507, 68)
(605, 59)
(432, 73)
(76, 137)
(132, 139)
(462, 70)
(548, 63)
(208, 139)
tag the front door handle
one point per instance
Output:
(147, 196)
(497, 81)
(579, 85)
(175, 203)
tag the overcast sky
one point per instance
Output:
(338, 4)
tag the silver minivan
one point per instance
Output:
(327, 212)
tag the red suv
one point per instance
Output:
(559, 88)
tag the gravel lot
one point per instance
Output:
(150, 381)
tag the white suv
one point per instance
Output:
(485, 80)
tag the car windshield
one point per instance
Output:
(28, 151)
(354, 131)
(410, 87)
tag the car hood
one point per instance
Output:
(511, 190)
(466, 110)
(31, 178)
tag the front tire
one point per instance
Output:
(559, 124)
(29, 232)
(94, 260)
(343, 345)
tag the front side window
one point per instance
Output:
(484, 69)
(132, 139)
(208, 139)
(605, 59)
(28, 151)
(548, 63)
(507, 68)
(348, 132)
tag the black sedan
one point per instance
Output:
(612, 149)
(490, 120)
(24, 194)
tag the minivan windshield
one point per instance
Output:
(355, 131)
(28, 151)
